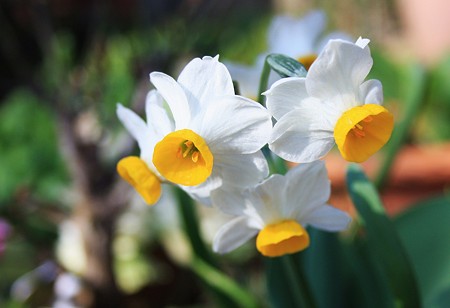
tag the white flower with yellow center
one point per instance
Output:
(140, 172)
(216, 135)
(298, 38)
(333, 104)
(278, 210)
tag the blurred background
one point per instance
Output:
(72, 234)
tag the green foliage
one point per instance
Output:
(415, 86)
(326, 269)
(434, 126)
(382, 238)
(389, 73)
(30, 157)
(286, 66)
(424, 230)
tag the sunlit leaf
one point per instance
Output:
(286, 66)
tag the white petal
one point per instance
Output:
(203, 80)
(247, 78)
(285, 95)
(295, 37)
(308, 188)
(132, 122)
(328, 218)
(229, 200)
(232, 235)
(302, 135)
(371, 92)
(333, 36)
(338, 72)
(157, 117)
(202, 196)
(202, 192)
(139, 130)
(235, 124)
(175, 97)
(268, 198)
(362, 42)
(238, 170)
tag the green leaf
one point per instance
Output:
(222, 284)
(416, 88)
(325, 269)
(286, 66)
(287, 283)
(367, 284)
(226, 292)
(277, 286)
(425, 231)
(382, 238)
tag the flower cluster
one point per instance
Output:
(204, 138)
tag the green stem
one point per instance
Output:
(226, 292)
(188, 215)
(417, 92)
(263, 82)
(299, 287)
(223, 283)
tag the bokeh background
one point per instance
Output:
(72, 233)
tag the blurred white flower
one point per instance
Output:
(70, 249)
(299, 38)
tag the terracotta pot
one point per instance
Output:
(418, 173)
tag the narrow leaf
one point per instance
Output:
(424, 230)
(383, 239)
(286, 66)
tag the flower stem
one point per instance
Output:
(226, 292)
(263, 81)
(419, 86)
(221, 282)
(188, 215)
(299, 287)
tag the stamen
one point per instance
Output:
(186, 152)
(189, 145)
(194, 156)
(190, 161)
(358, 132)
(355, 144)
(180, 152)
(368, 119)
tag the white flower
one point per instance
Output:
(216, 135)
(298, 38)
(140, 172)
(278, 210)
(333, 104)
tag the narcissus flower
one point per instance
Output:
(216, 135)
(333, 104)
(278, 211)
(140, 172)
(299, 38)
